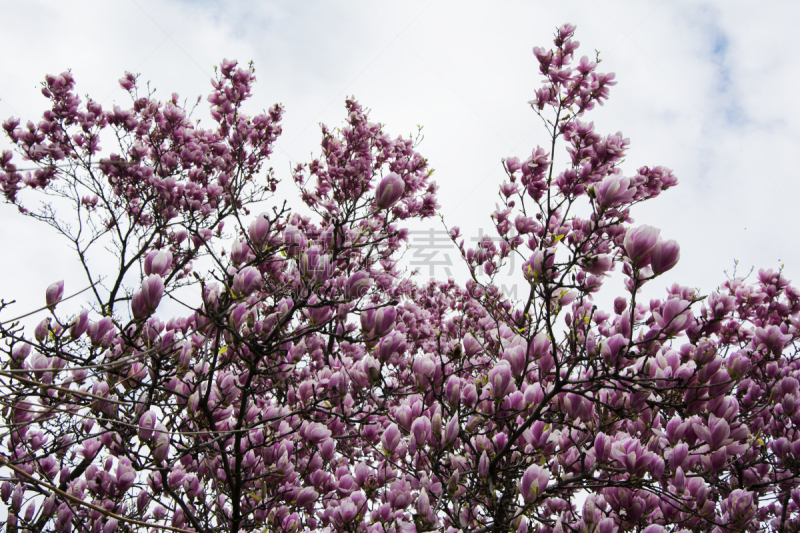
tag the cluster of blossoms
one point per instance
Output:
(312, 385)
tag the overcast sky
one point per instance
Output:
(708, 89)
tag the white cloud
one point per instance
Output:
(704, 88)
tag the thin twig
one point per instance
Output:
(55, 387)
(47, 306)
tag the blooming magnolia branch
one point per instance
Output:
(113, 519)
(313, 385)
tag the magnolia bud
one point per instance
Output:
(294, 240)
(111, 525)
(161, 446)
(80, 324)
(516, 358)
(452, 483)
(259, 229)
(391, 438)
(315, 266)
(193, 403)
(389, 191)
(378, 322)
(138, 308)
(665, 256)
(357, 285)
(452, 430)
(483, 465)
(49, 505)
(152, 290)
(20, 351)
(436, 424)
(500, 379)
(42, 329)
(147, 423)
(16, 498)
(54, 293)
(142, 501)
(101, 332)
(423, 503)
(157, 262)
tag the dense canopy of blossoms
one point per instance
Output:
(312, 385)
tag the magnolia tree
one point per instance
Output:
(311, 385)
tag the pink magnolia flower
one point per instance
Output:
(240, 252)
(378, 322)
(639, 244)
(598, 265)
(327, 389)
(534, 483)
(306, 497)
(126, 475)
(614, 191)
(392, 344)
(158, 262)
(391, 438)
(20, 352)
(246, 281)
(421, 429)
(516, 358)
(315, 265)
(316, 433)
